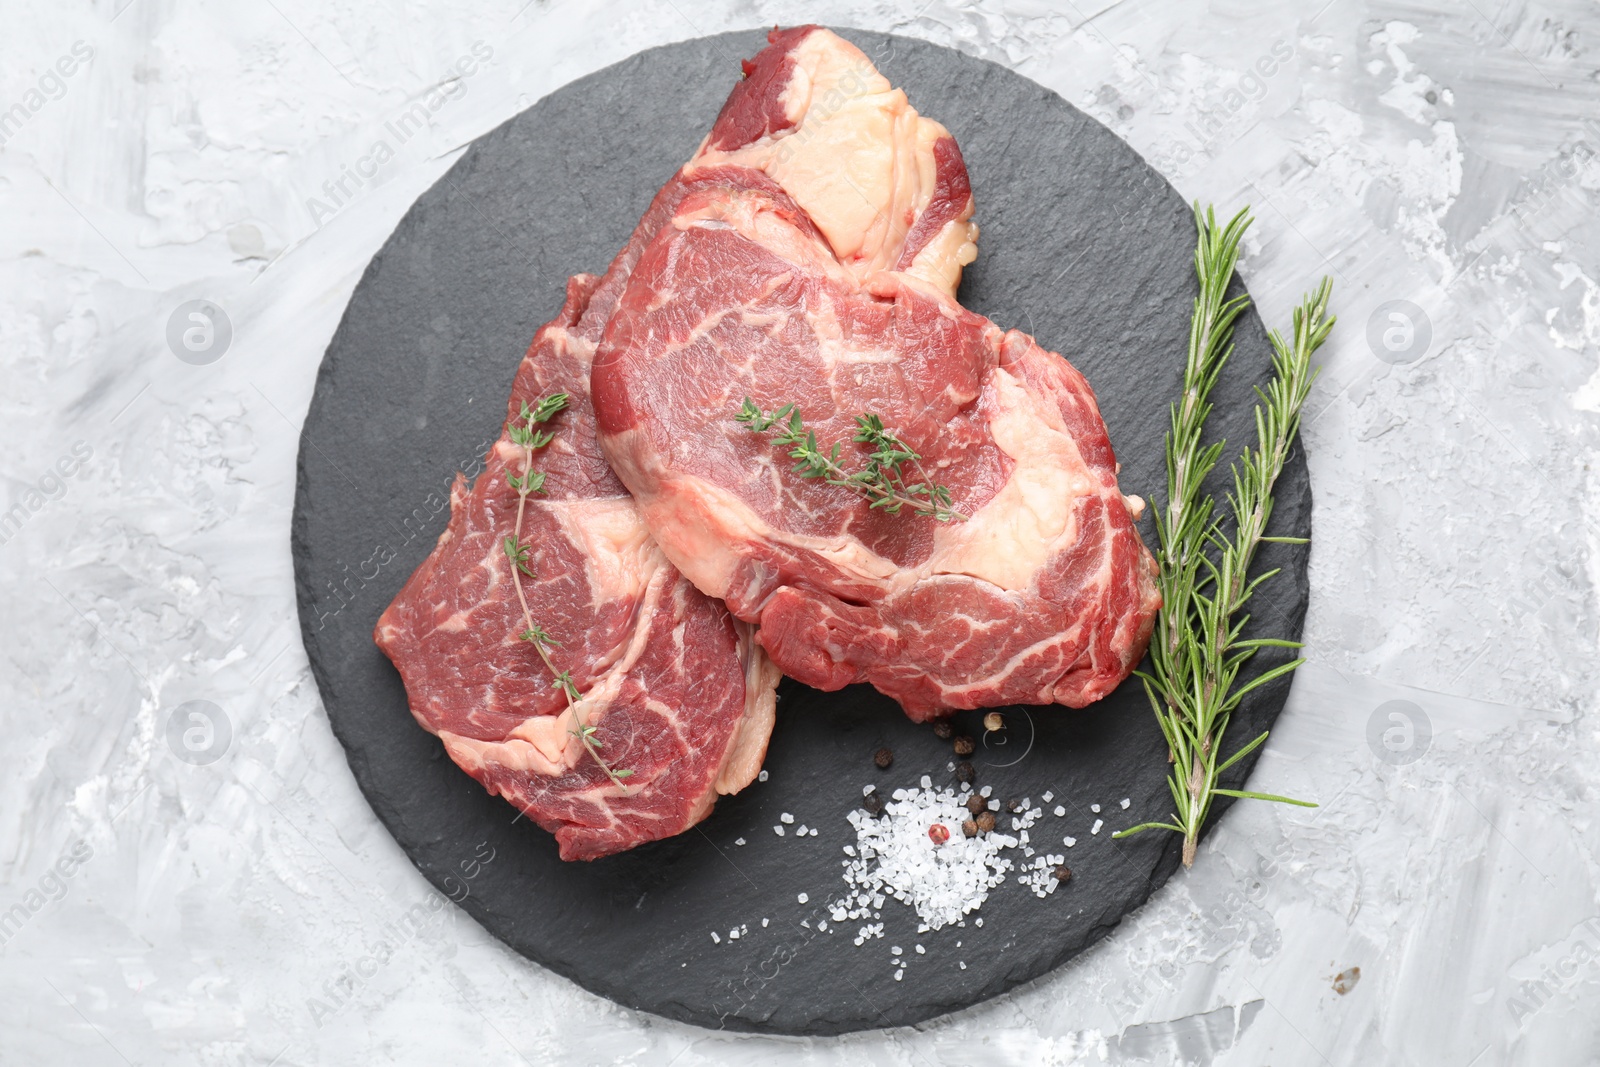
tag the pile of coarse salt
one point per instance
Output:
(894, 856)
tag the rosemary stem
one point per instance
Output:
(1204, 566)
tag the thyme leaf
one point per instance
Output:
(882, 478)
(523, 433)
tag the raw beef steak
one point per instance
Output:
(810, 253)
(678, 690)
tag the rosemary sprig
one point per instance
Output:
(882, 480)
(524, 434)
(1198, 651)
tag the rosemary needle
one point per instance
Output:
(1197, 653)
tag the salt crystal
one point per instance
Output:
(738, 840)
(901, 973)
(963, 966)
(806, 923)
(786, 818)
(763, 924)
(733, 935)
(813, 831)
(849, 850)
(867, 790)
(1124, 802)
(1069, 841)
(978, 921)
(778, 830)
(986, 790)
(803, 898)
(1096, 827)
(761, 777)
(1060, 811)
(894, 857)
(715, 938)
(1048, 797)
(921, 951)
(896, 950)
(1095, 808)
(927, 783)
(802, 831)
(822, 925)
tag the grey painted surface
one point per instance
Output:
(1425, 153)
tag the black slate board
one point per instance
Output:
(1083, 245)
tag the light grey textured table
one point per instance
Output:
(1439, 155)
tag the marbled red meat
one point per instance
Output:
(678, 690)
(810, 253)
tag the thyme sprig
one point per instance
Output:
(1198, 652)
(881, 480)
(524, 433)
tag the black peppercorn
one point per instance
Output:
(1013, 805)
(943, 730)
(969, 828)
(964, 772)
(883, 757)
(873, 803)
(964, 745)
(985, 821)
(977, 805)
(1063, 874)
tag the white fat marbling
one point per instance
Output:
(1429, 152)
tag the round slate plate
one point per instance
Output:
(1083, 245)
